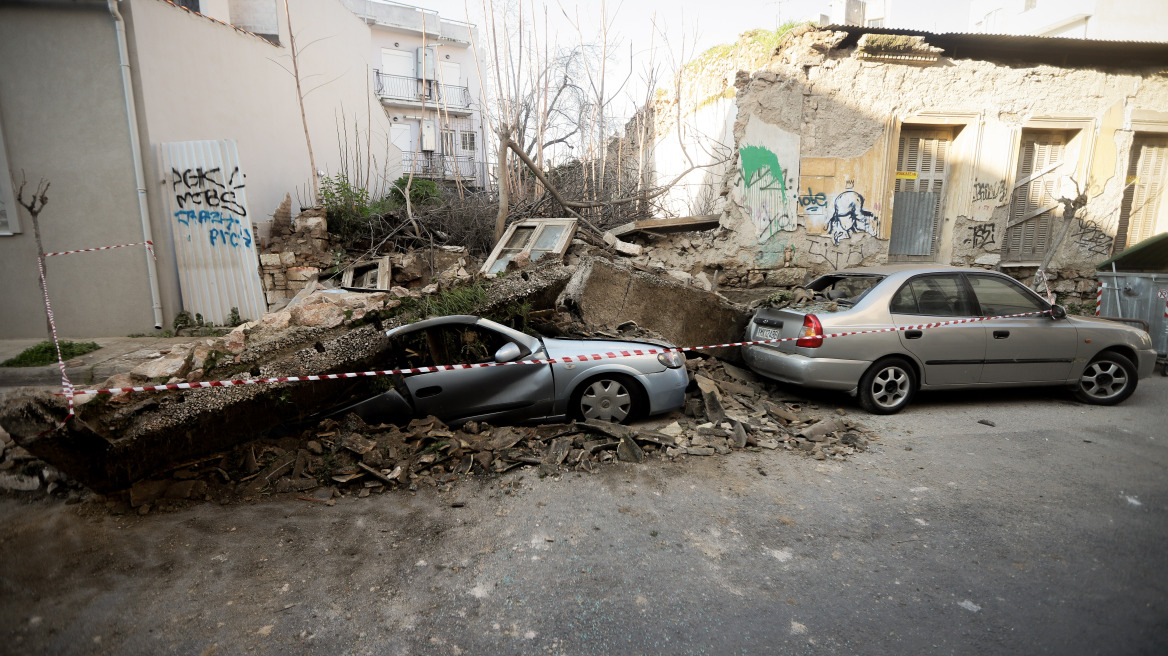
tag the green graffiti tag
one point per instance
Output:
(757, 161)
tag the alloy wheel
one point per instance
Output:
(890, 387)
(1103, 380)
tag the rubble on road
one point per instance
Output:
(730, 411)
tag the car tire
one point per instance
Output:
(888, 386)
(608, 397)
(1108, 379)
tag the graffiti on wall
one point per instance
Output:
(765, 191)
(767, 180)
(207, 198)
(841, 256)
(982, 236)
(1088, 236)
(986, 197)
(849, 217)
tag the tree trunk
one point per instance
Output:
(501, 174)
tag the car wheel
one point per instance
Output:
(888, 386)
(1107, 380)
(609, 397)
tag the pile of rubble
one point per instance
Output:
(728, 410)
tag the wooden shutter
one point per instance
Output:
(1028, 235)
(925, 153)
(1141, 195)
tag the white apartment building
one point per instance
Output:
(428, 82)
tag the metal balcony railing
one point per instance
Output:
(438, 166)
(411, 88)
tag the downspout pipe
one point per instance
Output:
(136, 155)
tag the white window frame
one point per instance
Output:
(558, 249)
(463, 141)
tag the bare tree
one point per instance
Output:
(34, 205)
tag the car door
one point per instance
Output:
(1034, 349)
(951, 354)
(510, 393)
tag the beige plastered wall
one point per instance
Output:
(194, 78)
(64, 121)
(847, 115)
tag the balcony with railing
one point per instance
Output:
(439, 166)
(413, 90)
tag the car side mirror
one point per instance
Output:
(508, 352)
(1057, 312)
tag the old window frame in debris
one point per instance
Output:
(535, 237)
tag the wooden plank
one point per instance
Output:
(681, 224)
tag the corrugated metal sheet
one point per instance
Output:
(1138, 296)
(912, 223)
(1060, 51)
(214, 242)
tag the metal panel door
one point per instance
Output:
(1141, 193)
(1028, 232)
(913, 218)
(214, 242)
(921, 164)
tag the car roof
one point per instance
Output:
(889, 269)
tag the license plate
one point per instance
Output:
(767, 333)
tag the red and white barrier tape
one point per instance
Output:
(570, 358)
(66, 386)
(1040, 274)
(148, 244)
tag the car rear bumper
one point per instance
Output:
(825, 373)
(666, 389)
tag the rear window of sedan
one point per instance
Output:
(845, 289)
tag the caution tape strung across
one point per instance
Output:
(148, 244)
(566, 359)
(66, 386)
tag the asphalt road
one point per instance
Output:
(1043, 534)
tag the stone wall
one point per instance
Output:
(297, 251)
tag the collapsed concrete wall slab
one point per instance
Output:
(109, 445)
(606, 294)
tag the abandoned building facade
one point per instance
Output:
(856, 146)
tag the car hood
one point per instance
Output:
(558, 348)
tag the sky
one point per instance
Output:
(690, 26)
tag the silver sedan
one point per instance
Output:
(1100, 361)
(610, 389)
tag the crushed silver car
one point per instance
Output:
(1101, 361)
(609, 389)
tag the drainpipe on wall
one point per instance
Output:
(136, 155)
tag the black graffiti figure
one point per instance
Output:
(849, 217)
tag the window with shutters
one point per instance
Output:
(922, 159)
(1141, 192)
(1034, 202)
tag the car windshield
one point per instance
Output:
(845, 289)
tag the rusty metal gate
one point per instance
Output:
(214, 242)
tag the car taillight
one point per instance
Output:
(671, 359)
(812, 334)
